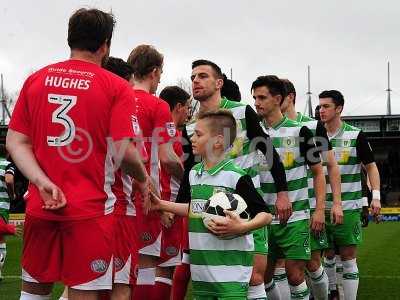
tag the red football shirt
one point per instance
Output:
(157, 128)
(169, 184)
(71, 111)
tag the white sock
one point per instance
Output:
(350, 279)
(308, 282)
(27, 296)
(319, 284)
(282, 284)
(3, 254)
(146, 276)
(164, 280)
(339, 270)
(272, 291)
(299, 291)
(330, 269)
(62, 298)
(257, 292)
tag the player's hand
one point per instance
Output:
(19, 229)
(283, 207)
(364, 216)
(52, 196)
(232, 224)
(337, 214)
(376, 209)
(318, 221)
(270, 217)
(144, 189)
(167, 219)
(155, 201)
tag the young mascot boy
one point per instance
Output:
(219, 268)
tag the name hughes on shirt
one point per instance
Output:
(66, 82)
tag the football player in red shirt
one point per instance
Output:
(70, 130)
(171, 237)
(125, 234)
(157, 128)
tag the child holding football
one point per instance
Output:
(219, 267)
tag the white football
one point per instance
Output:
(215, 206)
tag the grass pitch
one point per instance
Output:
(378, 261)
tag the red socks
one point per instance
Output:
(180, 282)
(162, 289)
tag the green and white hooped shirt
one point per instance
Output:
(344, 144)
(218, 267)
(286, 139)
(240, 152)
(312, 125)
(4, 198)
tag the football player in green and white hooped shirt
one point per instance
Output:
(250, 142)
(220, 269)
(352, 152)
(4, 204)
(318, 277)
(295, 145)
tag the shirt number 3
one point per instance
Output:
(60, 116)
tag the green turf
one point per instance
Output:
(378, 261)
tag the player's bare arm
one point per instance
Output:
(179, 209)
(335, 182)
(373, 176)
(318, 218)
(9, 179)
(170, 161)
(20, 148)
(131, 162)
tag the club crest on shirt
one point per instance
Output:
(171, 129)
(146, 236)
(171, 251)
(99, 266)
(346, 143)
(289, 142)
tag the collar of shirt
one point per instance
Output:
(214, 170)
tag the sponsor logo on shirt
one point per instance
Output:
(197, 206)
(171, 129)
(99, 266)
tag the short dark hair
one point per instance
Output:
(144, 59)
(230, 90)
(174, 95)
(273, 83)
(289, 88)
(88, 29)
(214, 66)
(119, 67)
(317, 114)
(335, 95)
(219, 120)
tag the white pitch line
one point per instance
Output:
(11, 277)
